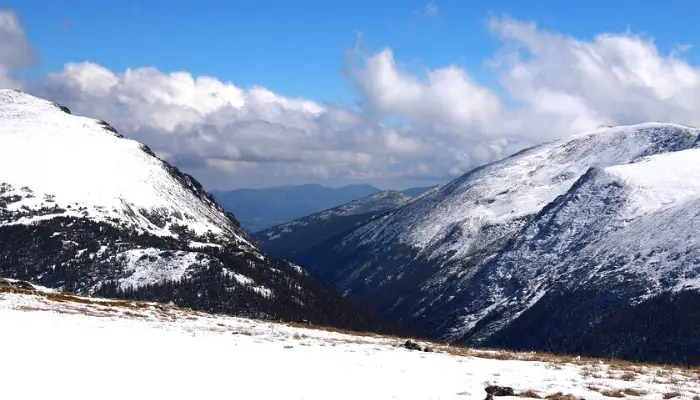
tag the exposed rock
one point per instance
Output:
(411, 345)
(16, 284)
(500, 390)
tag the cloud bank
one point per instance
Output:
(551, 85)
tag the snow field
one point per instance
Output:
(116, 350)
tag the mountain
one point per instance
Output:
(415, 191)
(258, 209)
(153, 342)
(288, 239)
(585, 244)
(84, 209)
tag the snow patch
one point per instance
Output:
(151, 266)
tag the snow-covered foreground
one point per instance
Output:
(56, 346)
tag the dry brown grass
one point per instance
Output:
(529, 394)
(561, 396)
(671, 395)
(587, 371)
(131, 314)
(628, 376)
(624, 367)
(333, 329)
(29, 308)
(613, 393)
(634, 392)
(556, 395)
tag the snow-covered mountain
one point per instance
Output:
(84, 209)
(56, 164)
(574, 237)
(287, 240)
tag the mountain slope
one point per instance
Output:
(258, 209)
(417, 191)
(86, 210)
(288, 239)
(78, 166)
(471, 259)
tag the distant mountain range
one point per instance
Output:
(259, 209)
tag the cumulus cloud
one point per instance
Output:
(613, 79)
(449, 99)
(15, 50)
(444, 121)
(555, 85)
(252, 134)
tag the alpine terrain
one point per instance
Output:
(587, 244)
(289, 239)
(84, 209)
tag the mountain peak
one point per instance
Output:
(79, 166)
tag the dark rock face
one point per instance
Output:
(411, 345)
(500, 390)
(22, 285)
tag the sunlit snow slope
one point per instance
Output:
(501, 193)
(50, 158)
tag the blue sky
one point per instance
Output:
(431, 89)
(296, 47)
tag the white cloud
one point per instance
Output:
(558, 84)
(613, 79)
(15, 51)
(254, 135)
(449, 99)
(551, 85)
